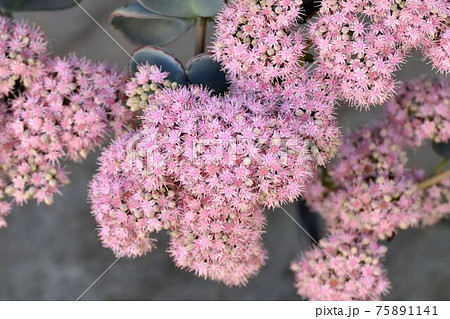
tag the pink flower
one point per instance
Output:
(23, 51)
(436, 203)
(126, 207)
(256, 41)
(421, 111)
(229, 146)
(51, 109)
(362, 43)
(216, 242)
(354, 271)
(360, 57)
(369, 189)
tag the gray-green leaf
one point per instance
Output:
(162, 58)
(184, 8)
(443, 149)
(143, 27)
(202, 69)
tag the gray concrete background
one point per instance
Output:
(52, 253)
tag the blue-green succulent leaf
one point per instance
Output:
(162, 58)
(202, 69)
(443, 149)
(143, 27)
(184, 8)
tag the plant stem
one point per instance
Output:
(434, 180)
(440, 167)
(200, 42)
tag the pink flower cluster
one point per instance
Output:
(222, 146)
(256, 42)
(207, 236)
(354, 271)
(144, 85)
(436, 203)
(369, 191)
(360, 43)
(215, 241)
(372, 190)
(50, 109)
(23, 51)
(128, 203)
(421, 110)
(225, 157)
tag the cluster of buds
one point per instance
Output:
(149, 80)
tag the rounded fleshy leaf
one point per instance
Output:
(144, 27)
(35, 5)
(202, 69)
(161, 58)
(184, 8)
(442, 149)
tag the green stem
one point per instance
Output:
(434, 180)
(200, 42)
(440, 167)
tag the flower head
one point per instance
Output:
(217, 242)
(23, 51)
(421, 110)
(369, 189)
(354, 272)
(236, 147)
(126, 208)
(436, 203)
(356, 50)
(63, 114)
(256, 42)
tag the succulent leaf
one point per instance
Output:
(202, 69)
(144, 27)
(162, 58)
(442, 149)
(184, 8)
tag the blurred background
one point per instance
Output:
(52, 252)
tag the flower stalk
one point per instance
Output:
(434, 180)
(440, 167)
(200, 42)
